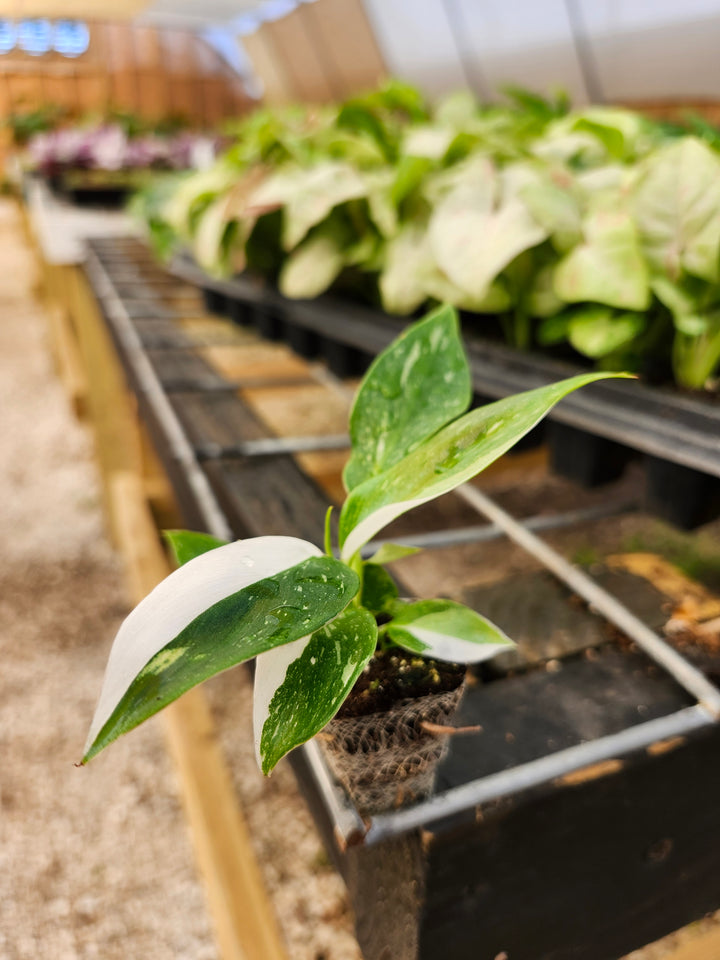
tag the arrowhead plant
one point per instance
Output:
(313, 620)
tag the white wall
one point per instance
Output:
(636, 49)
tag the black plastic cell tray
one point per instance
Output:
(628, 417)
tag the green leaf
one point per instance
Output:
(608, 267)
(542, 300)
(676, 205)
(196, 623)
(554, 329)
(391, 414)
(409, 173)
(597, 331)
(299, 688)
(445, 630)
(453, 455)
(684, 296)
(390, 552)
(696, 358)
(187, 544)
(378, 588)
(620, 131)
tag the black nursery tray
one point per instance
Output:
(577, 820)
(592, 434)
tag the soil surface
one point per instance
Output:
(393, 676)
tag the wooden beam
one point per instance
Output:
(694, 944)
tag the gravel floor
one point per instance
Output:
(94, 862)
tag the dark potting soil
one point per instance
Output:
(394, 675)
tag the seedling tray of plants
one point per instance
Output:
(593, 434)
(574, 815)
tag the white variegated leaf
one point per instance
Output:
(300, 687)
(445, 630)
(226, 605)
(453, 455)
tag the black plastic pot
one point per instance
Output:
(214, 301)
(680, 495)
(240, 312)
(343, 360)
(306, 343)
(268, 322)
(584, 457)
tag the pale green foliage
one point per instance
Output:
(517, 210)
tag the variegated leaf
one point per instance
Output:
(300, 687)
(221, 608)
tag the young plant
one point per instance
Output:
(311, 620)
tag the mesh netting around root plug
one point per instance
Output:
(389, 759)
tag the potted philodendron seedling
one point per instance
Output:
(332, 638)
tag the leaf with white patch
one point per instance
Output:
(391, 414)
(445, 630)
(439, 287)
(472, 242)
(676, 206)
(408, 259)
(308, 195)
(188, 544)
(312, 266)
(300, 687)
(453, 455)
(194, 193)
(222, 608)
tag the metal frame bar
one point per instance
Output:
(271, 446)
(687, 675)
(483, 533)
(536, 772)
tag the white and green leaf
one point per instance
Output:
(472, 241)
(676, 205)
(407, 260)
(313, 193)
(300, 687)
(391, 414)
(446, 630)
(596, 331)
(312, 266)
(223, 607)
(452, 456)
(608, 267)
